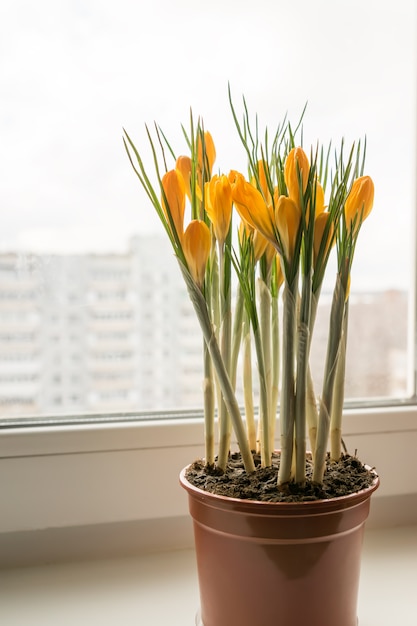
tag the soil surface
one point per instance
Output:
(341, 478)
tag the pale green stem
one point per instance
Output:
(248, 383)
(338, 394)
(209, 406)
(333, 347)
(237, 334)
(312, 414)
(200, 308)
(276, 365)
(225, 344)
(302, 376)
(288, 386)
(215, 307)
(264, 364)
(208, 395)
(311, 399)
(266, 454)
(224, 417)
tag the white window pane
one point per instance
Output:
(93, 315)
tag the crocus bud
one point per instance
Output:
(173, 199)
(183, 165)
(196, 246)
(359, 202)
(263, 181)
(287, 218)
(218, 196)
(206, 160)
(296, 166)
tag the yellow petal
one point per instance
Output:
(288, 218)
(207, 159)
(359, 202)
(196, 246)
(251, 206)
(218, 195)
(174, 189)
(278, 271)
(183, 165)
(319, 199)
(263, 181)
(296, 165)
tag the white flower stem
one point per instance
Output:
(263, 349)
(338, 394)
(266, 454)
(303, 345)
(312, 414)
(237, 334)
(288, 386)
(276, 366)
(225, 348)
(248, 383)
(311, 398)
(333, 347)
(209, 405)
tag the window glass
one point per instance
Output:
(94, 316)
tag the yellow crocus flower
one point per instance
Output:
(196, 246)
(218, 196)
(287, 218)
(183, 165)
(296, 165)
(174, 190)
(359, 202)
(251, 206)
(263, 181)
(210, 154)
(319, 228)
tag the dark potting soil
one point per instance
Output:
(341, 478)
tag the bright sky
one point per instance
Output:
(74, 72)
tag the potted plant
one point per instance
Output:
(278, 533)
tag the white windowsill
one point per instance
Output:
(88, 489)
(162, 588)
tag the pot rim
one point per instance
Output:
(308, 507)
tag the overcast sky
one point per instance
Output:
(74, 72)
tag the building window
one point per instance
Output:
(83, 261)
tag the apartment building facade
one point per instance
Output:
(97, 333)
(117, 332)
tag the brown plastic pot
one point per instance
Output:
(278, 564)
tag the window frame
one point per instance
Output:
(90, 471)
(95, 474)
